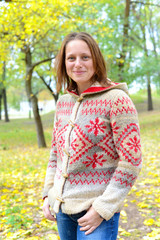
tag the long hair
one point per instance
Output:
(99, 65)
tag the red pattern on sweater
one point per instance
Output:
(130, 149)
(128, 182)
(88, 182)
(60, 140)
(65, 104)
(52, 164)
(90, 177)
(95, 111)
(96, 126)
(96, 160)
(108, 146)
(91, 103)
(81, 144)
(120, 109)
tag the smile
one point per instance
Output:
(78, 72)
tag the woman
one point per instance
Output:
(96, 154)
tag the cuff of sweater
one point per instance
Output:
(103, 212)
(45, 197)
(45, 193)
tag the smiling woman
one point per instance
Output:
(96, 153)
(79, 64)
(94, 54)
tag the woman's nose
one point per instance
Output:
(78, 62)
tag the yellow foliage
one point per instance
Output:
(155, 234)
(149, 222)
(110, 56)
(26, 22)
(123, 232)
(126, 205)
(53, 237)
(142, 205)
(123, 213)
(33, 238)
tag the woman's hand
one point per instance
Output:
(46, 210)
(90, 221)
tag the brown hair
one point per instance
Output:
(100, 74)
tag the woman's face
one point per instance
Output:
(79, 63)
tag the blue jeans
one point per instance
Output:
(69, 229)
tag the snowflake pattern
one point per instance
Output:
(96, 160)
(75, 144)
(58, 123)
(96, 126)
(134, 144)
(115, 128)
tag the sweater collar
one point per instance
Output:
(97, 88)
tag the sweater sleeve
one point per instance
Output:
(52, 164)
(126, 136)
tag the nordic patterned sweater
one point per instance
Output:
(96, 153)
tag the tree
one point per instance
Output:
(3, 95)
(153, 29)
(26, 25)
(0, 102)
(144, 37)
(36, 30)
(125, 40)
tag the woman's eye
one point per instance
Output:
(70, 58)
(85, 57)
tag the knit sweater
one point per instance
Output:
(96, 153)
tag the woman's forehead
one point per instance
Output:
(77, 46)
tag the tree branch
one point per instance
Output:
(55, 95)
(150, 4)
(42, 78)
(134, 40)
(42, 61)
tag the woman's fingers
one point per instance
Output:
(90, 230)
(46, 211)
(90, 221)
(85, 228)
(82, 224)
(83, 220)
(48, 215)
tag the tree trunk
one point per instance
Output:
(146, 52)
(30, 108)
(0, 106)
(4, 94)
(150, 104)
(125, 41)
(56, 97)
(38, 122)
(149, 93)
(5, 105)
(33, 99)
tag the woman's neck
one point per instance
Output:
(82, 87)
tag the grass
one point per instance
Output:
(140, 100)
(22, 132)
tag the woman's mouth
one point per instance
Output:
(78, 72)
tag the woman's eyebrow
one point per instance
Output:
(84, 53)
